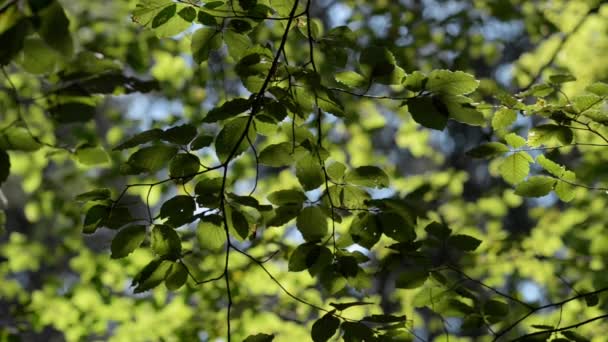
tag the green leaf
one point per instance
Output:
(503, 118)
(71, 112)
(325, 327)
(535, 186)
(461, 109)
(18, 139)
(515, 140)
(309, 257)
(542, 326)
(277, 155)
(463, 242)
(451, 82)
(356, 331)
(495, 308)
(237, 43)
(12, 40)
(438, 230)
(94, 217)
(92, 155)
(178, 210)
(351, 79)
(152, 158)
(237, 222)
(574, 336)
(210, 232)
(208, 191)
(369, 176)
(515, 167)
(561, 78)
(396, 227)
(336, 170)
(54, 29)
(94, 195)
(415, 81)
(284, 214)
(348, 196)
(344, 306)
(206, 19)
(127, 240)
(428, 112)
(151, 275)
(184, 165)
(489, 150)
(166, 242)
(188, 13)
(551, 166)
(563, 189)
(598, 88)
(283, 197)
(259, 338)
(181, 135)
(228, 110)
(164, 15)
(584, 102)
(140, 139)
(5, 166)
(384, 319)
(160, 16)
(37, 56)
(364, 230)
(176, 277)
(309, 173)
(298, 258)
(546, 133)
(312, 223)
(412, 278)
(228, 138)
(204, 41)
(201, 141)
(592, 300)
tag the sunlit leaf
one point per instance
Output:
(166, 242)
(535, 186)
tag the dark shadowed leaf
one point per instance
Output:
(178, 210)
(325, 327)
(181, 135)
(412, 278)
(369, 176)
(141, 138)
(94, 195)
(233, 133)
(344, 306)
(176, 276)
(72, 112)
(152, 275)
(489, 150)
(5, 166)
(184, 165)
(464, 242)
(259, 338)
(127, 240)
(428, 112)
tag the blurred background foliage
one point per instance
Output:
(58, 284)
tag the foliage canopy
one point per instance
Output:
(270, 170)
